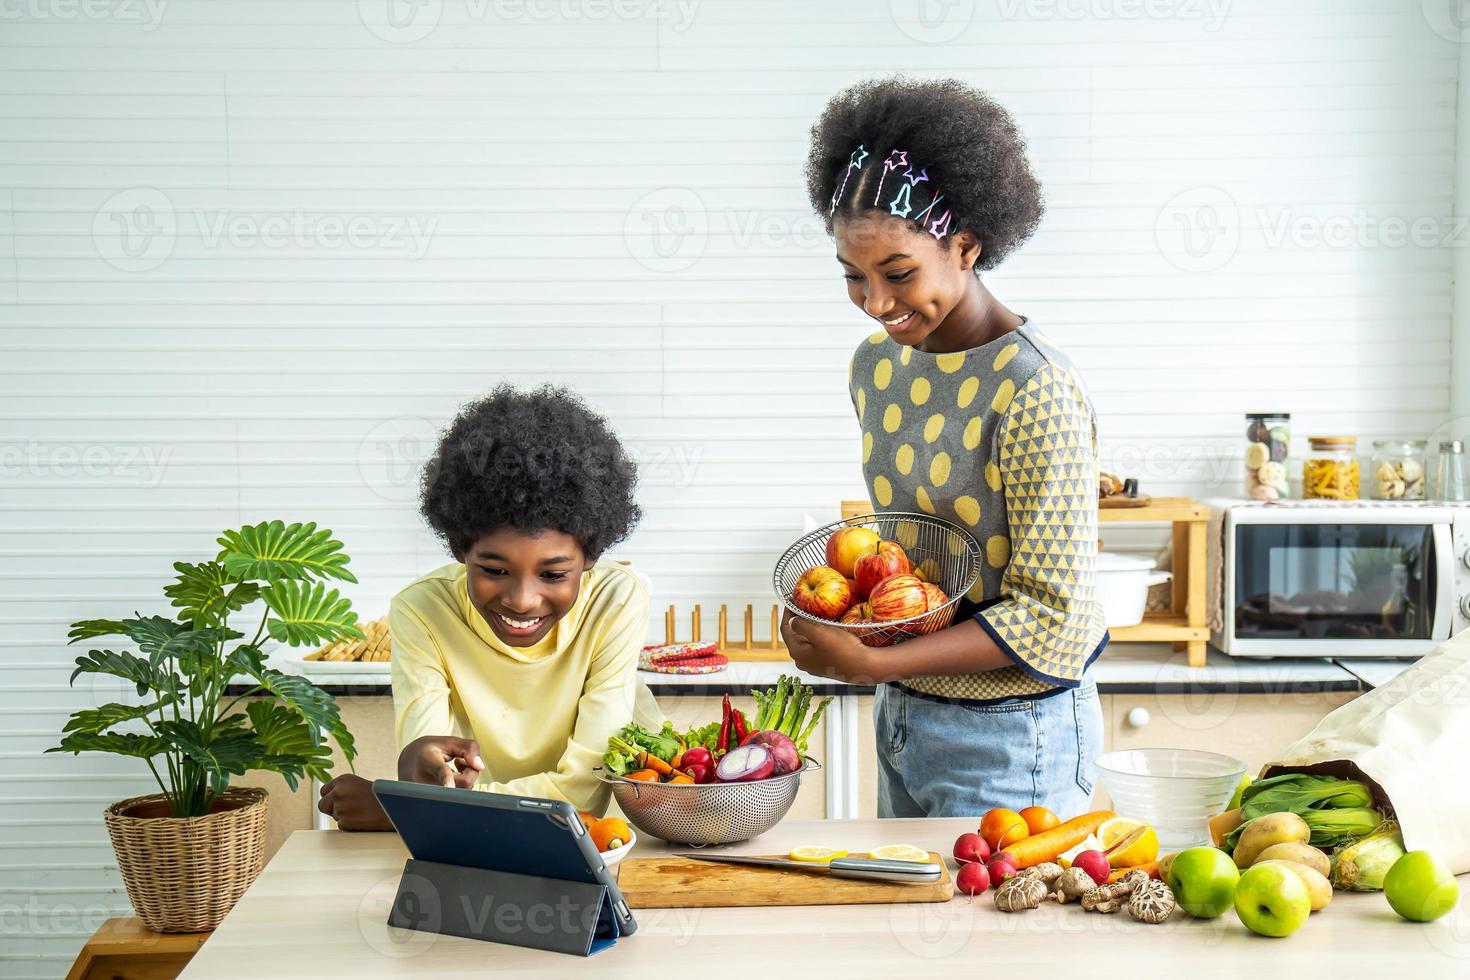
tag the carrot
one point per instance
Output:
(643, 776)
(1151, 869)
(1046, 845)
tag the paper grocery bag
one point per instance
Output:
(1410, 740)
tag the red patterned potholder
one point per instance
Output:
(683, 658)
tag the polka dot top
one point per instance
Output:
(1002, 440)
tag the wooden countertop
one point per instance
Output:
(1123, 668)
(319, 910)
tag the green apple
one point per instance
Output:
(1239, 790)
(1420, 888)
(1272, 901)
(1203, 880)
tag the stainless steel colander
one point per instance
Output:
(707, 813)
(949, 555)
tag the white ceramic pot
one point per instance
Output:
(1122, 587)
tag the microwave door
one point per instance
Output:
(1326, 585)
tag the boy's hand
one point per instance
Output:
(827, 651)
(349, 800)
(441, 760)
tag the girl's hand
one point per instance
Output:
(349, 800)
(441, 760)
(827, 651)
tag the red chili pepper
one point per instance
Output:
(722, 744)
(737, 721)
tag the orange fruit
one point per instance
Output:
(609, 833)
(588, 819)
(1039, 818)
(1001, 828)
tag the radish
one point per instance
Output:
(700, 773)
(972, 879)
(783, 750)
(971, 848)
(698, 756)
(745, 764)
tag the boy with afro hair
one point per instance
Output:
(513, 664)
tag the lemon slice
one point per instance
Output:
(1141, 851)
(901, 852)
(815, 854)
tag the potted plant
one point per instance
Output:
(188, 852)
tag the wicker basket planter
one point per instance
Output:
(185, 874)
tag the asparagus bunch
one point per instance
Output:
(784, 708)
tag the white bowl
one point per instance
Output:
(1176, 791)
(612, 857)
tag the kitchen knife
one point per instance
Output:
(869, 869)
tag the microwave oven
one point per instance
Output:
(1312, 578)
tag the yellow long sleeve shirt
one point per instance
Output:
(541, 714)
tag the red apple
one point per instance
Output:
(898, 597)
(872, 569)
(846, 545)
(934, 595)
(857, 613)
(823, 592)
(893, 547)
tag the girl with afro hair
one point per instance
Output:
(968, 413)
(514, 663)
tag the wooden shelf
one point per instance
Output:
(1160, 628)
(1162, 509)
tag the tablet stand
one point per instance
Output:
(500, 906)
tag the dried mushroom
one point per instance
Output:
(1072, 884)
(1112, 897)
(1151, 902)
(1019, 894)
(1047, 872)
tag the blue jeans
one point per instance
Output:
(939, 759)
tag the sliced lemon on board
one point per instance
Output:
(901, 852)
(815, 854)
(1143, 850)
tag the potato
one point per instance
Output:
(1165, 863)
(1262, 832)
(1317, 886)
(1300, 853)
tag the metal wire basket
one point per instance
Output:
(948, 554)
(707, 813)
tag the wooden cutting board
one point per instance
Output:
(1142, 500)
(673, 882)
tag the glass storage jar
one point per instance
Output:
(1267, 438)
(1331, 472)
(1398, 469)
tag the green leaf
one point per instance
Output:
(311, 703)
(89, 628)
(118, 743)
(309, 614)
(94, 720)
(164, 639)
(125, 665)
(206, 593)
(283, 734)
(273, 551)
(221, 756)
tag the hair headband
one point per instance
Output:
(902, 204)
